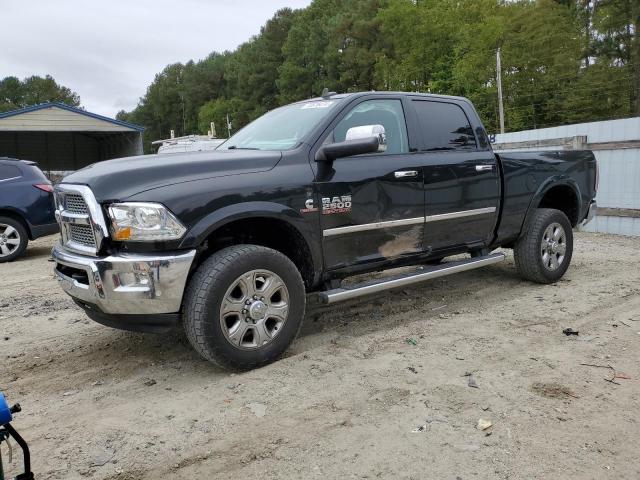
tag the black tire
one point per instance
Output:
(529, 251)
(17, 232)
(208, 288)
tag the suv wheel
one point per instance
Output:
(13, 239)
(244, 306)
(544, 252)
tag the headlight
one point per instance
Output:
(143, 222)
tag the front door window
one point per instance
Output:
(387, 113)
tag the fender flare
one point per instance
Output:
(244, 210)
(561, 180)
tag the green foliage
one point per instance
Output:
(216, 111)
(563, 61)
(16, 93)
(332, 44)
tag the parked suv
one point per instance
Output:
(26, 207)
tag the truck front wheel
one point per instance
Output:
(244, 306)
(543, 253)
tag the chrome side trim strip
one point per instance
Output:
(406, 221)
(372, 226)
(461, 214)
(8, 179)
(340, 294)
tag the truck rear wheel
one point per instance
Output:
(244, 306)
(544, 252)
(13, 239)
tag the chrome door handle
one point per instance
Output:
(483, 168)
(406, 173)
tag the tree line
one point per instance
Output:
(563, 61)
(16, 93)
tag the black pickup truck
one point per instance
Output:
(229, 242)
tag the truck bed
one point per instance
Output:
(526, 176)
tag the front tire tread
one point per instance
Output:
(207, 280)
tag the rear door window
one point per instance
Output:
(9, 171)
(444, 126)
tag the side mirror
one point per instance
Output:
(366, 131)
(359, 140)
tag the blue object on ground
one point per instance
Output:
(5, 411)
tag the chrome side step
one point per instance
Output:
(425, 273)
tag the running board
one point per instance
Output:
(425, 273)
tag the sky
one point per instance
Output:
(108, 51)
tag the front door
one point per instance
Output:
(462, 182)
(372, 206)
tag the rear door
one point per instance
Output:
(371, 206)
(461, 178)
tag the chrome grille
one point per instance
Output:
(82, 234)
(74, 203)
(82, 224)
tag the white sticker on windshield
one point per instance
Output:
(319, 104)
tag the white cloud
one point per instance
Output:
(109, 51)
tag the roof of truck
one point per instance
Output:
(340, 96)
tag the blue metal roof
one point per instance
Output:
(42, 106)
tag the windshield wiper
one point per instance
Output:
(233, 147)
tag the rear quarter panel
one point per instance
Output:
(527, 176)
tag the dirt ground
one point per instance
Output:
(372, 389)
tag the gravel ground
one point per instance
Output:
(371, 389)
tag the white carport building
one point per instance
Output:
(63, 138)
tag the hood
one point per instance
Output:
(123, 177)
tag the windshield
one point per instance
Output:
(281, 129)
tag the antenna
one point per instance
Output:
(499, 79)
(326, 93)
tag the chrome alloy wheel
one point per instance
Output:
(553, 246)
(254, 309)
(9, 239)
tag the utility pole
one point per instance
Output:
(228, 126)
(500, 105)
(183, 117)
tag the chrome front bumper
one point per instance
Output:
(593, 207)
(126, 284)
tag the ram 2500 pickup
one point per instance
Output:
(229, 242)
